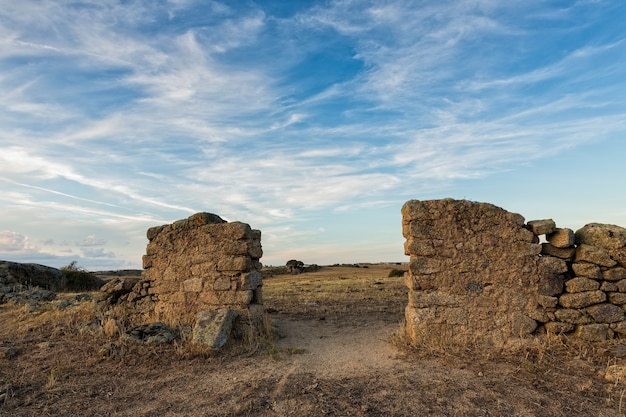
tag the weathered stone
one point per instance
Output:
(594, 255)
(422, 265)
(423, 299)
(619, 327)
(213, 328)
(557, 327)
(592, 332)
(582, 299)
(606, 313)
(561, 238)
(580, 284)
(116, 288)
(542, 227)
(546, 301)
(419, 247)
(617, 298)
(563, 253)
(609, 287)
(585, 269)
(606, 236)
(522, 325)
(550, 275)
(621, 285)
(614, 274)
(155, 333)
(573, 316)
(199, 263)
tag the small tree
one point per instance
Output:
(79, 279)
(295, 267)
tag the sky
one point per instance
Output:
(313, 121)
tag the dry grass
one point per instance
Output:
(74, 361)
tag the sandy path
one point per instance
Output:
(334, 350)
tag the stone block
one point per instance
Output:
(605, 236)
(608, 287)
(563, 253)
(580, 284)
(573, 316)
(419, 247)
(222, 284)
(582, 299)
(213, 328)
(561, 238)
(235, 263)
(617, 298)
(542, 227)
(614, 274)
(606, 313)
(192, 285)
(594, 255)
(585, 269)
(250, 280)
(522, 325)
(421, 265)
(619, 327)
(550, 284)
(557, 327)
(621, 285)
(596, 332)
(546, 301)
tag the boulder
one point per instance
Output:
(593, 332)
(606, 236)
(213, 328)
(34, 275)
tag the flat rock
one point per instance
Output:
(542, 227)
(606, 313)
(155, 333)
(592, 332)
(580, 284)
(213, 328)
(582, 299)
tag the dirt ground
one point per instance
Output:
(338, 352)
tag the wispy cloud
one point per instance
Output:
(146, 112)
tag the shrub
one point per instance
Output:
(396, 273)
(79, 279)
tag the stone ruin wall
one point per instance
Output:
(201, 263)
(478, 273)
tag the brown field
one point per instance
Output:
(338, 352)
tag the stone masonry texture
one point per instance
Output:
(203, 263)
(478, 274)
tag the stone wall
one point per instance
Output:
(478, 273)
(202, 263)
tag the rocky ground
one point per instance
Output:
(337, 353)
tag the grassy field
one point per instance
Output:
(338, 353)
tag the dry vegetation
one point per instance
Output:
(334, 358)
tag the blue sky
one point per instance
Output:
(313, 121)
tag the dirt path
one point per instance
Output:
(338, 350)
